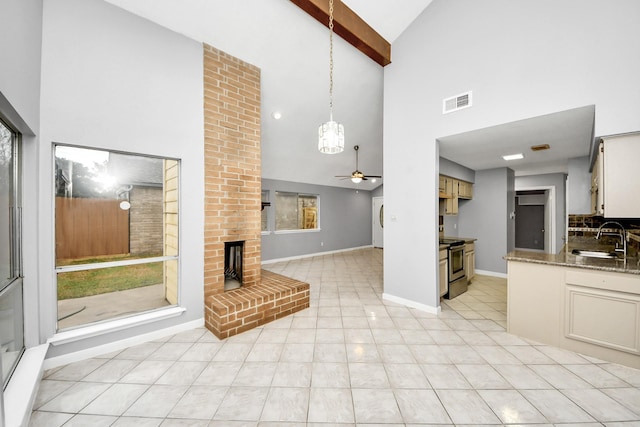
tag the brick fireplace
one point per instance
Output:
(233, 202)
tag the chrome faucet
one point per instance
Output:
(622, 233)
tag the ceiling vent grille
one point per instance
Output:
(456, 103)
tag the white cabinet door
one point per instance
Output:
(621, 185)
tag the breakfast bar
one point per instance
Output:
(583, 304)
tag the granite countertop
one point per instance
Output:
(566, 259)
(466, 239)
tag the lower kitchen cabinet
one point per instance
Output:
(444, 272)
(470, 260)
(596, 313)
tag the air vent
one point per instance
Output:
(540, 147)
(456, 103)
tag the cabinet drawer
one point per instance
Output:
(469, 247)
(620, 282)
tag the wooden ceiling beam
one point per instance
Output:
(348, 25)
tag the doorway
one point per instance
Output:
(378, 222)
(534, 222)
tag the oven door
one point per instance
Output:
(456, 263)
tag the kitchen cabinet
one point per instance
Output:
(614, 190)
(444, 272)
(591, 312)
(470, 260)
(451, 204)
(465, 190)
(597, 203)
(451, 190)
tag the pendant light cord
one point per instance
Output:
(330, 60)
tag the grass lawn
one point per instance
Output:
(103, 280)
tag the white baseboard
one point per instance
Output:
(272, 261)
(412, 304)
(491, 273)
(88, 353)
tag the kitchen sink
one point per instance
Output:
(594, 254)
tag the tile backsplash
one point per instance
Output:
(586, 226)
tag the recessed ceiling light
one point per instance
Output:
(514, 156)
(276, 115)
(373, 180)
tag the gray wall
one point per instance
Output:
(115, 81)
(514, 57)
(486, 217)
(345, 221)
(557, 180)
(455, 170)
(579, 186)
(378, 191)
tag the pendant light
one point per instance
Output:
(331, 134)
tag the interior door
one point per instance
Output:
(378, 222)
(530, 223)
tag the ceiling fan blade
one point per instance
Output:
(374, 176)
(342, 176)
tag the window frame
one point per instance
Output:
(103, 325)
(15, 282)
(265, 210)
(298, 230)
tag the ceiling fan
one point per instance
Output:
(357, 176)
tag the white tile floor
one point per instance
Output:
(349, 360)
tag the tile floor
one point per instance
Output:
(349, 360)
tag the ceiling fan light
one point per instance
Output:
(331, 138)
(356, 179)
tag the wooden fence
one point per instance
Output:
(90, 227)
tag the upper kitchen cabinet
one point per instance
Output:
(451, 190)
(465, 190)
(614, 189)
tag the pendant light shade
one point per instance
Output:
(331, 134)
(331, 137)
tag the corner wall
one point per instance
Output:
(112, 80)
(586, 54)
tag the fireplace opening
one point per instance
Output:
(233, 265)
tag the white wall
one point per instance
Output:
(521, 59)
(20, 44)
(115, 81)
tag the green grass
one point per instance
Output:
(78, 284)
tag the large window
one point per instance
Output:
(11, 304)
(296, 211)
(116, 234)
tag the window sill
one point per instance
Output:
(107, 327)
(314, 230)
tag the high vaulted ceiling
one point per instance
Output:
(292, 50)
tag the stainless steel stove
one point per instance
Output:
(456, 276)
